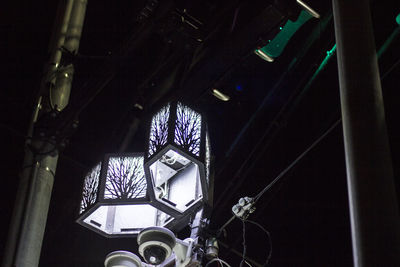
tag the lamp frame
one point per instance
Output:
(170, 223)
(200, 160)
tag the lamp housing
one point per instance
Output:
(177, 160)
(115, 198)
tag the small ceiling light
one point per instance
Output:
(263, 55)
(306, 7)
(220, 95)
(177, 159)
(115, 199)
(275, 47)
(138, 106)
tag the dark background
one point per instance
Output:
(271, 118)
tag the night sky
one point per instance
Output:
(274, 114)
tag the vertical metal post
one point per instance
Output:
(197, 226)
(59, 96)
(373, 205)
(29, 217)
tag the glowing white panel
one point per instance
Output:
(159, 130)
(184, 188)
(176, 181)
(208, 158)
(90, 188)
(125, 178)
(126, 219)
(161, 173)
(188, 129)
(98, 218)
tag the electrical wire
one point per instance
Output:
(287, 74)
(244, 243)
(269, 240)
(286, 170)
(222, 228)
(333, 126)
(301, 156)
(239, 253)
(219, 260)
(245, 246)
(390, 69)
(259, 195)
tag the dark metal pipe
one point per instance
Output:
(28, 222)
(373, 205)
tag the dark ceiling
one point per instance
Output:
(276, 111)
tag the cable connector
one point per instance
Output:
(244, 208)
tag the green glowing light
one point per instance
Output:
(321, 66)
(276, 46)
(398, 19)
(329, 54)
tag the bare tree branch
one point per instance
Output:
(159, 130)
(125, 178)
(188, 129)
(90, 188)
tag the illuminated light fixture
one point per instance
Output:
(398, 19)
(138, 106)
(275, 47)
(115, 198)
(306, 7)
(220, 95)
(177, 159)
(263, 55)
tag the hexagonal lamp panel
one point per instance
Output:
(115, 199)
(177, 159)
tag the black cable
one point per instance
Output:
(238, 253)
(36, 151)
(244, 243)
(390, 69)
(258, 196)
(282, 79)
(300, 156)
(220, 230)
(288, 168)
(269, 240)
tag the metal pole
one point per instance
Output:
(36, 182)
(373, 205)
(59, 96)
(197, 226)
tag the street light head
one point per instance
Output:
(164, 187)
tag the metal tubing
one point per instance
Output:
(35, 212)
(34, 193)
(60, 93)
(372, 198)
